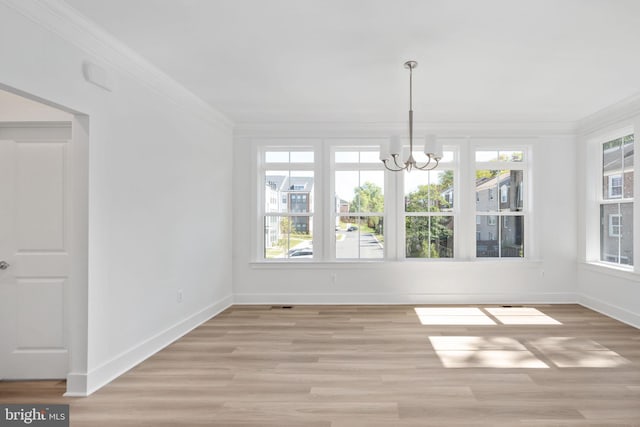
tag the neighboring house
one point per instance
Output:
(342, 207)
(287, 195)
(500, 193)
(616, 231)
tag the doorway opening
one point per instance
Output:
(43, 239)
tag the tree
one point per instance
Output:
(368, 198)
(428, 236)
(446, 180)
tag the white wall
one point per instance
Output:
(14, 108)
(159, 189)
(614, 292)
(548, 277)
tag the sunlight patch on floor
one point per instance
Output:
(452, 316)
(521, 316)
(572, 352)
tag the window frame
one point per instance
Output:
(364, 145)
(324, 167)
(612, 200)
(524, 165)
(260, 149)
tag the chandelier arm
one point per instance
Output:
(410, 163)
(395, 160)
(425, 167)
(384, 162)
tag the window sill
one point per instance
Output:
(368, 264)
(611, 270)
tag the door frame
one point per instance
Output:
(76, 302)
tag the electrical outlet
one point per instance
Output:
(333, 278)
(179, 296)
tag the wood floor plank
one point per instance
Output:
(375, 366)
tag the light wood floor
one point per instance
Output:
(351, 366)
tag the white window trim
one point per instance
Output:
(323, 216)
(530, 249)
(331, 150)
(454, 213)
(592, 175)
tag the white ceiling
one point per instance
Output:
(289, 60)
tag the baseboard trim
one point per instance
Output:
(394, 298)
(84, 385)
(611, 310)
(76, 385)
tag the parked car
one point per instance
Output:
(352, 228)
(301, 253)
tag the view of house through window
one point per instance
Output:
(500, 218)
(288, 205)
(616, 205)
(358, 196)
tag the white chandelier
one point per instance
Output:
(390, 154)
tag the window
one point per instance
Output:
(502, 234)
(331, 199)
(288, 181)
(428, 212)
(616, 205)
(504, 192)
(615, 225)
(358, 204)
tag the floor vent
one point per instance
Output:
(512, 306)
(281, 307)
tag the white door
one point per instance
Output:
(34, 259)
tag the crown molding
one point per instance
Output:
(385, 129)
(61, 19)
(621, 111)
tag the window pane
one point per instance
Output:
(299, 190)
(285, 237)
(346, 157)
(276, 157)
(369, 157)
(626, 233)
(486, 190)
(612, 169)
(512, 236)
(499, 190)
(359, 191)
(610, 229)
(346, 183)
(447, 157)
(616, 233)
(628, 166)
(486, 156)
(511, 156)
(360, 237)
(428, 191)
(370, 195)
(302, 157)
(487, 236)
(275, 196)
(429, 236)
